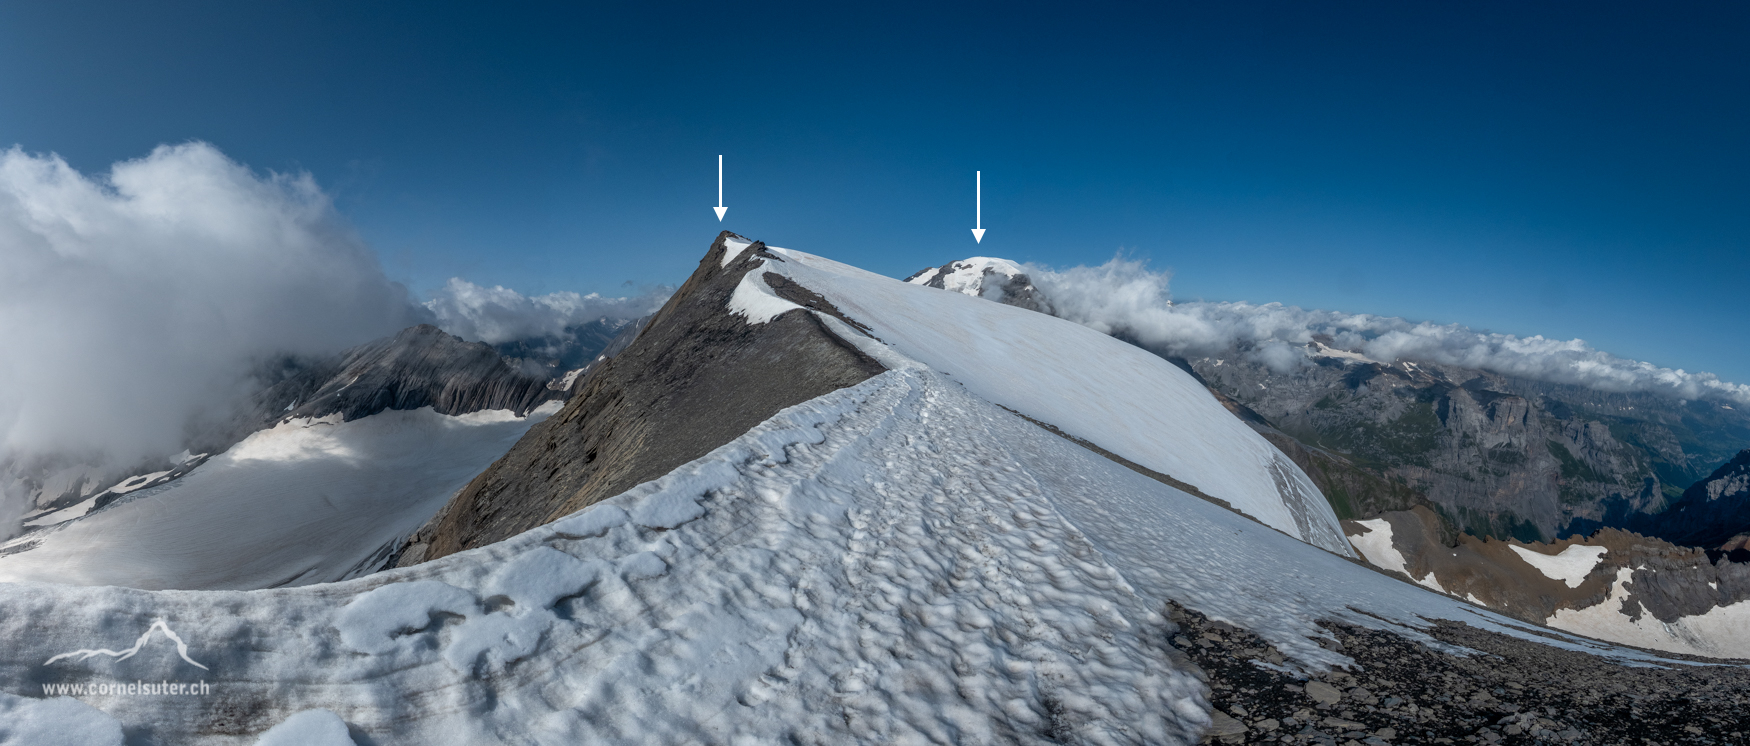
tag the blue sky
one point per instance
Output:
(1572, 170)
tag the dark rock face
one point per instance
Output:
(695, 378)
(1711, 512)
(1493, 460)
(420, 367)
(1352, 491)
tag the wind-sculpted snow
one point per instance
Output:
(843, 572)
(899, 561)
(1085, 383)
(309, 728)
(60, 721)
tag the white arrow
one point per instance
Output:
(720, 208)
(978, 206)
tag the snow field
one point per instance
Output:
(1088, 384)
(967, 277)
(1376, 547)
(306, 501)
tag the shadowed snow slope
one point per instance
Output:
(307, 501)
(1089, 385)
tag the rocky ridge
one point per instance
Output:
(694, 378)
(1712, 513)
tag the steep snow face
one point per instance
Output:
(898, 561)
(1091, 386)
(307, 501)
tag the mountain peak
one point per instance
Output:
(987, 277)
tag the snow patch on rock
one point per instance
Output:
(1571, 566)
(754, 300)
(1717, 634)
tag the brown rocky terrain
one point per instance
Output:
(694, 378)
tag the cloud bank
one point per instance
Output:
(1124, 297)
(496, 315)
(136, 303)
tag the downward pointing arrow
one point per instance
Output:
(978, 207)
(720, 208)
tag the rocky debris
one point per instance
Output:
(1511, 691)
(696, 377)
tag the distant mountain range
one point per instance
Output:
(1492, 455)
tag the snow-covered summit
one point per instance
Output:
(984, 277)
(967, 275)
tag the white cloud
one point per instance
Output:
(1123, 297)
(497, 314)
(135, 304)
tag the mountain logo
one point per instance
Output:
(120, 655)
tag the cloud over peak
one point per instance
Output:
(497, 314)
(137, 301)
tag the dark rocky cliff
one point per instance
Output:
(421, 366)
(696, 377)
(1494, 455)
(1711, 512)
